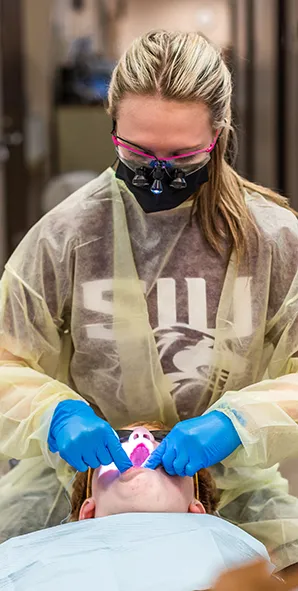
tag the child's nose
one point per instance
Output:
(141, 435)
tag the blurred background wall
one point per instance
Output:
(56, 59)
(209, 16)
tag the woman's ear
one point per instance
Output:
(87, 510)
(196, 507)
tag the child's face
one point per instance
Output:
(139, 489)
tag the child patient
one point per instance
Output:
(105, 491)
(148, 535)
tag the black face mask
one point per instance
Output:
(170, 197)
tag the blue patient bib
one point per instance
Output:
(129, 552)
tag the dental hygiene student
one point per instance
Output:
(165, 290)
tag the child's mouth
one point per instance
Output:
(139, 455)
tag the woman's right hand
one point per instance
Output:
(84, 440)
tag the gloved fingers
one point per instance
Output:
(155, 459)
(117, 453)
(168, 458)
(103, 455)
(97, 457)
(191, 468)
(76, 462)
(181, 462)
(92, 461)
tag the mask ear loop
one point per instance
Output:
(89, 483)
(196, 486)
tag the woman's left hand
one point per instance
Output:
(195, 444)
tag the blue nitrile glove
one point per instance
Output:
(195, 444)
(83, 439)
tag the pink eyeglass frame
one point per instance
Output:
(122, 144)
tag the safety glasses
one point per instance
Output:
(135, 157)
(124, 434)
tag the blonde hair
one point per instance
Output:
(187, 67)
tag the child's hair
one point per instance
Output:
(207, 489)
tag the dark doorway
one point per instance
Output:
(13, 116)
